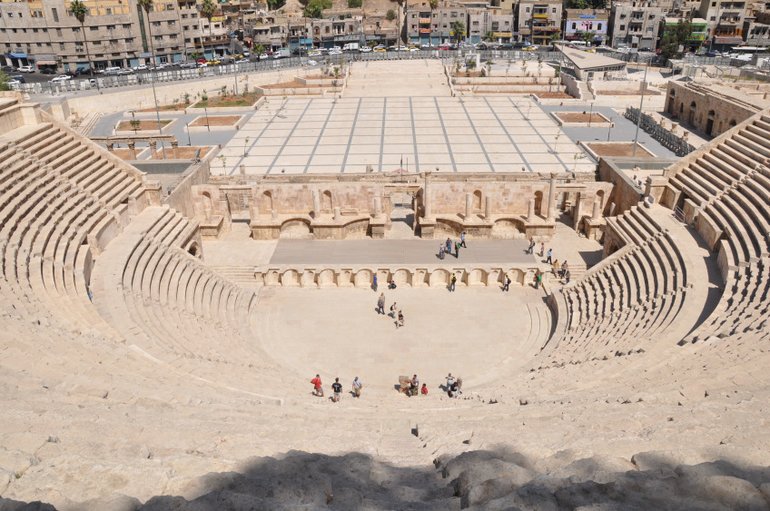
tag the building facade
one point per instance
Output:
(635, 25)
(725, 22)
(589, 25)
(538, 21)
(114, 33)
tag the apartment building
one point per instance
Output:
(538, 21)
(635, 25)
(698, 30)
(114, 33)
(590, 25)
(756, 25)
(725, 22)
(433, 27)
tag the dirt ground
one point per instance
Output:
(620, 149)
(181, 153)
(141, 126)
(580, 117)
(216, 120)
(228, 101)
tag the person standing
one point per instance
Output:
(538, 279)
(414, 386)
(374, 282)
(381, 304)
(336, 389)
(393, 310)
(462, 240)
(542, 249)
(318, 389)
(424, 389)
(357, 386)
(400, 320)
(450, 380)
(441, 251)
(531, 248)
(448, 246)
(506, 283)
(457, 250)
(549, 256)
(452, 283)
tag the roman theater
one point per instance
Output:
(172, 280)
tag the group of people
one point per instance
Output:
(560, 270)
(446, 247)
(318, 389)
(411, 387)
(395, 312)
(375, 285)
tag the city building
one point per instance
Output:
(756, 25)
(589, 25)
(433, 27)
(635, 25)
(725, 22)
(538, 21)
(114, 33)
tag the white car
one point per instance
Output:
(26, 69)
(61, 78)
(13, 84)
(141, 67)
(264, 56)
(365, 49)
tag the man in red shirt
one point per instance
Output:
(318, 389)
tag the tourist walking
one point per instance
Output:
(318, 389)
(564, 269)
(424, 389)
(506, 283)
(393, 309)
(542, 249)
(457, 250)
(538, 279)
(448, 245)
(357, 386)
(549, 256)
(400, 320)
(556, 268)
(441, 251)
(531, 248)
(381, 304)
(374, 282)
(336, 389)
(452, 283)
(462, 240)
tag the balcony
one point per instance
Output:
(425, 21)
(540, 15)
(425, 30)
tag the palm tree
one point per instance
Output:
(79, 10)
(208, 9)
(146, 6)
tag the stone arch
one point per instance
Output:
(194, 249)
(439, 277)
(732, 123)
(295, 228)
(539, 203)
(327, 205)
(507, 228)
(290, 278)
(363, 278)
(266, 203)
(402, 277)
(476, 277)
(477, 201)
(326, 278)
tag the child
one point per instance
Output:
(400, 321)
(424, 389)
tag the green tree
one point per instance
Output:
(315, 8)
(146, 6)
(390, 15)
(673, 37)
(433, 4)
(208, 10)
(588, 37)
(355, 4)
(79, 10)
(4, 82)
(457, 30)
(275, 4)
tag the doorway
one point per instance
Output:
(402, 215)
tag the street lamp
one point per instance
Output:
(641, 105)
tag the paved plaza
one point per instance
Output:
(385, 134)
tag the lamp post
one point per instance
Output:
(591, 114)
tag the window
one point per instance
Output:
(58, 32)
(110, 27)
(622, 27)
(553, 10)
(527, 9)
(55, 14)
(109, 11)
(61, 46)
(599, 26)
(574, 25)
(93, 29)
(126, 26)
(96, 42)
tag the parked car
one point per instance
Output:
(61, 78)
(125, 72)
(188, 65)
(26, 69)
(141, 67)
(110, 71)
(13, 84)
(264, 56)
(365, 49)
(48, 71)
(18, 78)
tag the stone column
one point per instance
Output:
(487, 212)
(153, 148)
(337, 213)
(377, 205)
(551, 199)
(531, 211)
(132, 149)
(468, 205)
(426, 196)
(316, 203)
(596, 214)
